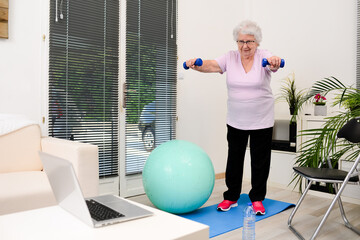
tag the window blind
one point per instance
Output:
(151, 71)
(83, 76)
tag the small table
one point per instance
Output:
(55, 223)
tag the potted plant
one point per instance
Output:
(316, 148)
(320, 107)
(294, 97)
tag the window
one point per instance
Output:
(151, 72)
(83, 76)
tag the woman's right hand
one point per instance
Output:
(191, 63)
(208, 66)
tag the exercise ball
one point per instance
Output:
(178, 177)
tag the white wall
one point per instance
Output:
(316, 38)
(20, 61)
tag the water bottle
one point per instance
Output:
(248, 232)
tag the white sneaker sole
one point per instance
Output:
(260, 213)
(227, 209)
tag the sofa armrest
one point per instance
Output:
(83, 156)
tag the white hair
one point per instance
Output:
(248, 27)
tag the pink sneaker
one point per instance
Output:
(258, 208)
(226, 205)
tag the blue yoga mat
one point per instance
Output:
(222, 222)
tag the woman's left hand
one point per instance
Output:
(274, 63)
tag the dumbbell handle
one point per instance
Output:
(198, 62)
(265, 62)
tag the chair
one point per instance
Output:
(351, 132)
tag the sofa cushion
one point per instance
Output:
(19, 150)
(22, 191)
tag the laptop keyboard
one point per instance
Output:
(101, 212)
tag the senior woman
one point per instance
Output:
(250, 112)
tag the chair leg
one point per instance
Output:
(295, 209)
(335, 199)
(342, 211)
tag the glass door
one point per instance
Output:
(148, 88)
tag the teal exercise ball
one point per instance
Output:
(178, 177)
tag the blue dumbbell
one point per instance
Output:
(265, 62)
(198, 62)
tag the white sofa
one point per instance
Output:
(23, 184)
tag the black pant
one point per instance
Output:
(260, 152)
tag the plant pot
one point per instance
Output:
(292, 134)
(320, 110)
(292, 110)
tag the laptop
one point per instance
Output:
(68, 194)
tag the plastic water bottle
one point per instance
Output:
(248, 232)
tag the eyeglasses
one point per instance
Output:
(249, 43)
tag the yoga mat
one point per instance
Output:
(222, 222)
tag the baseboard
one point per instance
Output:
(283, 186)
(331, 196)
(312, 192)
(220, 175)
(270, 183)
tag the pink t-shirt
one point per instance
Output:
(250, 99)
